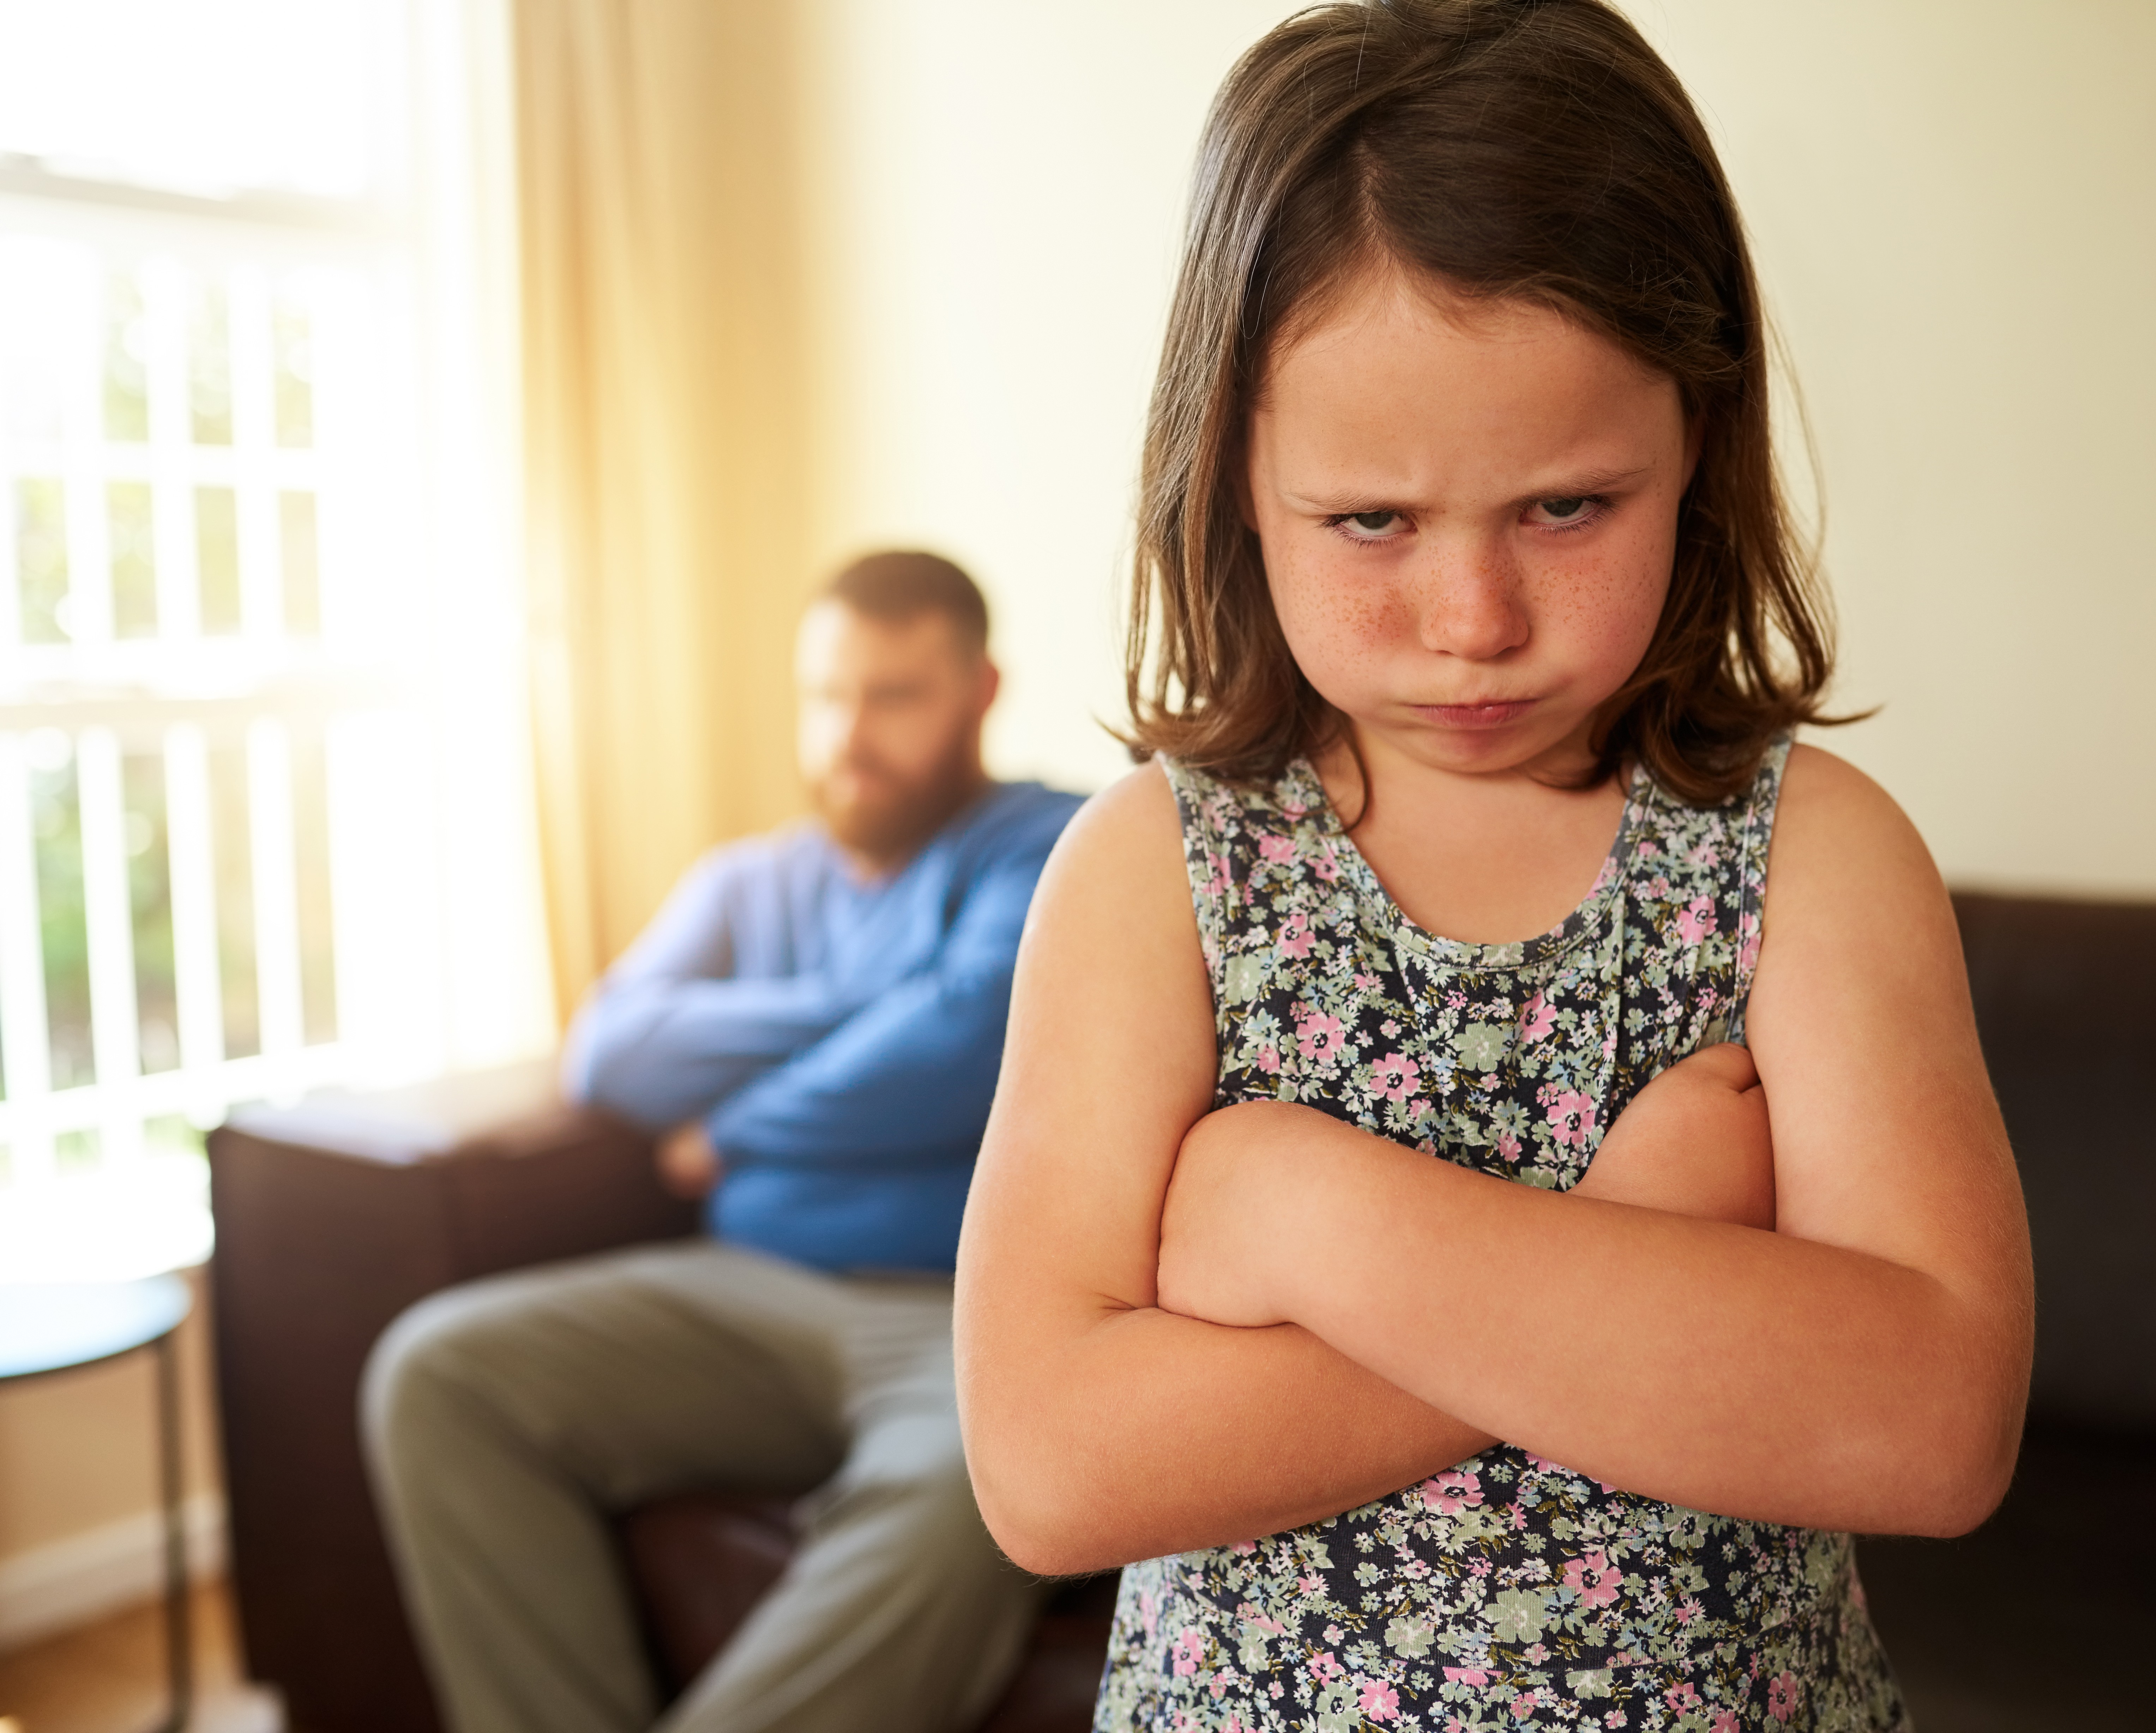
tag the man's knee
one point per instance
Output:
(413, 1380)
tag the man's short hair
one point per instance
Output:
(900, 584)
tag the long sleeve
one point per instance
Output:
(841, 1038)
(910, 1073)
(673, 1029)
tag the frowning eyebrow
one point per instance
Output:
(1578, 483)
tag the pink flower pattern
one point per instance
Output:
(1318, 1036)
(1571, 1118)
(1451, 1492)
(1594, 1579)
(1538, 1019)
(1295, 937)
(1394, 1076)
(1507, 1590)
(1695, 921)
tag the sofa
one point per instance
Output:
(332, 1217)
(2031, 1623)
(335, 1214)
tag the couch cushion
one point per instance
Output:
(1061, 1674)
(2065, 1003)
(2029, 1622)
(701, 1560)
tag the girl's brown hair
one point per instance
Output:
(1533, 149)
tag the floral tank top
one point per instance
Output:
(1506, 1591)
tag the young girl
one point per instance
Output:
(1470, 613)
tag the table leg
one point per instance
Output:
(179, 1633)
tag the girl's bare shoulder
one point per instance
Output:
(1861, 952)
(1126, 842)
(1110, 1043)
(1139, 801)
(1836, 832)
(1815, 777)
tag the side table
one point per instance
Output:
(57, 1327)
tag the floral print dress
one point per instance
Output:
(1508, 1592)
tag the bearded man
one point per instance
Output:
(814, 1022)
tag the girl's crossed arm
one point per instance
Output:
(1863, 1368)
(1100, 1429)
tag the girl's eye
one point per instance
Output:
(1368, 525)
(1572, 511)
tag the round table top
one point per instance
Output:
(49, 1326)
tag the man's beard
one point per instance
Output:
(888, 820)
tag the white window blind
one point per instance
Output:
(264, 814)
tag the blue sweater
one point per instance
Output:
(841, 1038)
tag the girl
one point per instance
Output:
(1469, 612)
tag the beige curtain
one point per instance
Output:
(663, 397)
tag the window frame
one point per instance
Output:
(440, 936)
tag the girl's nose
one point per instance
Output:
(1469, 603)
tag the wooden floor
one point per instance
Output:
(110, 1677)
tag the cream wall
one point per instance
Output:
(1954, 203)
(994, 194)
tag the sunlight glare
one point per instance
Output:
(208, 97)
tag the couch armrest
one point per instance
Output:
(332, 1217)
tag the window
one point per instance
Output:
(264, 803)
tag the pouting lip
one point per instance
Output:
(1495, 713)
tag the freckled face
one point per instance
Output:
(1468, 516)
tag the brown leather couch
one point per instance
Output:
(2032, 1622)
(334, 1216)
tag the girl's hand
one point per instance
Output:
(1228, 1218)
(1694, 1142)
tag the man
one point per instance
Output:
(815, 1018)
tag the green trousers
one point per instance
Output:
(507, 1420)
